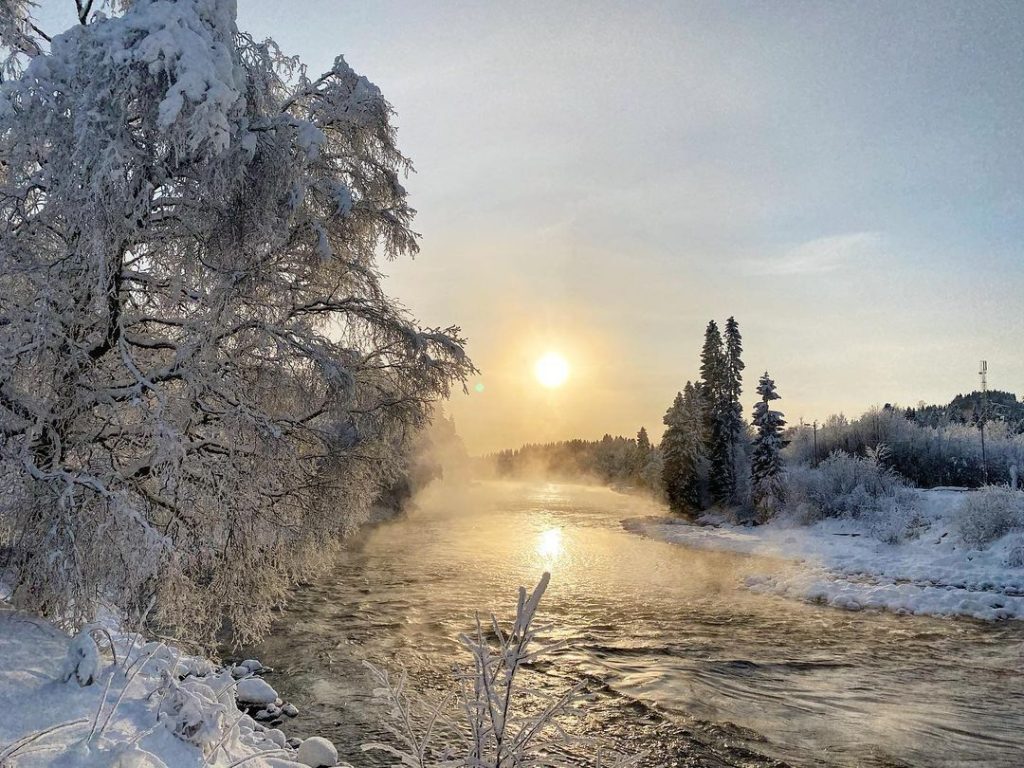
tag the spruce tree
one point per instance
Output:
(682, 449)
(672, 454)
(694, 478)
(714, 388)
(642, 455)
(643, 443)
(732, 409)
(766, 460)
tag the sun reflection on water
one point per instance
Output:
(549, 544)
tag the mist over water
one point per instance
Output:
(684, 664)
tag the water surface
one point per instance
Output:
(684, 664)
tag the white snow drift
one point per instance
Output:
(957, 553)
(67, 704)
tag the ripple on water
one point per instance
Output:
(681, 663)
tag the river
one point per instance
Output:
(684, 664)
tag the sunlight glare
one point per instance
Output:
(552, 370)
(549, 544)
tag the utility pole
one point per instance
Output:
(815, 442)
(983, 372)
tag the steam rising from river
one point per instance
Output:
(682, 660)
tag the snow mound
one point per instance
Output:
(255, 690)
(317, 752)
(152, 709)
(83, 659)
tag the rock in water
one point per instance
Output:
(317, 752)
(254, 690)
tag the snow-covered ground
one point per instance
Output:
(155, 708)
(840, 563)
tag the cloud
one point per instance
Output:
(820, 256)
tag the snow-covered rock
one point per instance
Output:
(318, 752)
(83, 659)
(277, 736)
(255, 690)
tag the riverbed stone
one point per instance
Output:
(318, 752)
(254, 690)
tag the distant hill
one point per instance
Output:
(967, 409)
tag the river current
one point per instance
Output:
(683, 665)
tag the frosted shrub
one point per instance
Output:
(847, 486)
(192, 711)
(989, 514)
(1015, 557)
(501, 723)
(895, 519)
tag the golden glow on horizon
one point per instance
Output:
(549, 544)
(552, 370)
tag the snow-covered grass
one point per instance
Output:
(68, 704)
(947, 552)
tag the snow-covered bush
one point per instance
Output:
(192, 711)
(1015, 555)
(501, 722)
(947, 452)
(895, 519)
(202, 382)
(848, 486)
(989, 514)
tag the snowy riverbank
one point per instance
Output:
(841, 563)
(155, 708)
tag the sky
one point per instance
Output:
(602, 178)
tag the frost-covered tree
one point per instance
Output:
(646, 463)
(732, 410)
(202, 381)
(673, 456)
(682, 449)
(766, 465)
(643, 443)
(642, 453)
(714, 388)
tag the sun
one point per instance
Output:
(552, 370)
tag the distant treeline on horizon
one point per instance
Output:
(930, 445)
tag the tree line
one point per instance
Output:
(710, 456)
(616, 461)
